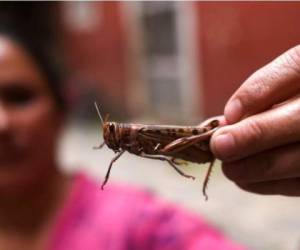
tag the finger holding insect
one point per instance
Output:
(275, 83)
(270, 129)
(288, 187)
(274, 164)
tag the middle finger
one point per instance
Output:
(274, 164)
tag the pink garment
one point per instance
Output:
(124, 218)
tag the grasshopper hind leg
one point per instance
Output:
(171, 163)
(179, 162)
(207, 179)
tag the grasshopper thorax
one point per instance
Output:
(111, 135)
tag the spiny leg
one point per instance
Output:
(207, 179)
(157, 147)
(100, 146)
(177, 161)
(109, 168)
(162, 158)
(185, 142)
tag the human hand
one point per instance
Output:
(260, 148)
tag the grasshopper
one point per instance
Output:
(160, 142)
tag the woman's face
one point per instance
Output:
(29, 120)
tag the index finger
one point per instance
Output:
(270, 85)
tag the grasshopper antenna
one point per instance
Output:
(99, 114)
(102, 122)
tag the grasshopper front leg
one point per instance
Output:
(100, 146)
(110, 166)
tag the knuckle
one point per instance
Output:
(259, 85)
(253, 134)
(291, 60)
(267, 170)
(256, 87)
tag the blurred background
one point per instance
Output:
(173, 63)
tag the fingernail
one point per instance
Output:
(224, 146)
(233, 111)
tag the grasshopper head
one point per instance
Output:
(111, 135)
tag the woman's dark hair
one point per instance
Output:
(34, 26)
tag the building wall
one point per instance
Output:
(232, 40)
(238, 38)
(96, 45)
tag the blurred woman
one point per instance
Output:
(41, 208)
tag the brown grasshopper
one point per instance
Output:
(160, 142)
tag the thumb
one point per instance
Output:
(270, 129)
